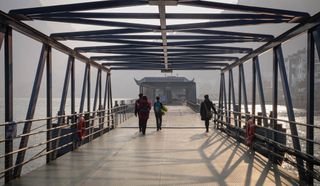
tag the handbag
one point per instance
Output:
(209, 114)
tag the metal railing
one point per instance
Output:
(228, 121)
(96, 124)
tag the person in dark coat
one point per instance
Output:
(136, 110)
(144, 111)
(205, 111)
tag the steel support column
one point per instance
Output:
(233, 96)
(89, 101)
(2, 34)
(49, 103)
(111, 101)
(254, 78)
(8, 78)
(63, 103)
(84, 87)
(261, 92)
(220, 102)
(244, 90)
(96, 97)
(229, 100)
(310, 103)
(289, 105)
(239, 98)
(31, 110)
(73, 107)
(274, 100)
(224, 96)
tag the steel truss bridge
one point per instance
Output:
(126, 45)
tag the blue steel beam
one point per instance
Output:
(309, 23)
(170, 51)
(227, 33)
(84, 85)
(224, 89)
(79, 7)
(103, 23)
(63, 102)
(239, 96)
(158, 48)
(260, 91)
(152, 68)
(157, 55)
(8, 92)
(38, 36)
(103, 15)
(310, 103)
(2, 33)
(31, 109)
(61, 36)
(289, 106)
(233, 95)
(158, 37)
(243, 8)
(49, 103)
(244, 89)
(150, 62)
(184, 43)
(132, 57)
(217, 24)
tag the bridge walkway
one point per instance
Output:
(181, 154)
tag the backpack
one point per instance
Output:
(157, 107)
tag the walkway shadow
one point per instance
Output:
(250, 167)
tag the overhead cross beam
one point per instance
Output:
(163, 27)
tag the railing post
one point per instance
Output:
(49, 103)
(310, 103)
(8, 66)
(31, 110)
(289, 105)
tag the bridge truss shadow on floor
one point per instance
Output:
(172, 156)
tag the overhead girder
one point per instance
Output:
(206, 32)
(102, 15)
(160, 58)
(171, 62)
(172, 48)
(129, 41)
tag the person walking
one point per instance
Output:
(144, 111)
(205, 111)
(157, 108)
(136, 110)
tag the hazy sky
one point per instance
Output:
(27, 51)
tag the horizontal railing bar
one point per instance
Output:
(288, 149)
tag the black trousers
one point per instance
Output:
(158, 120)
(206, 122)
(140, 125)
(143, 127)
